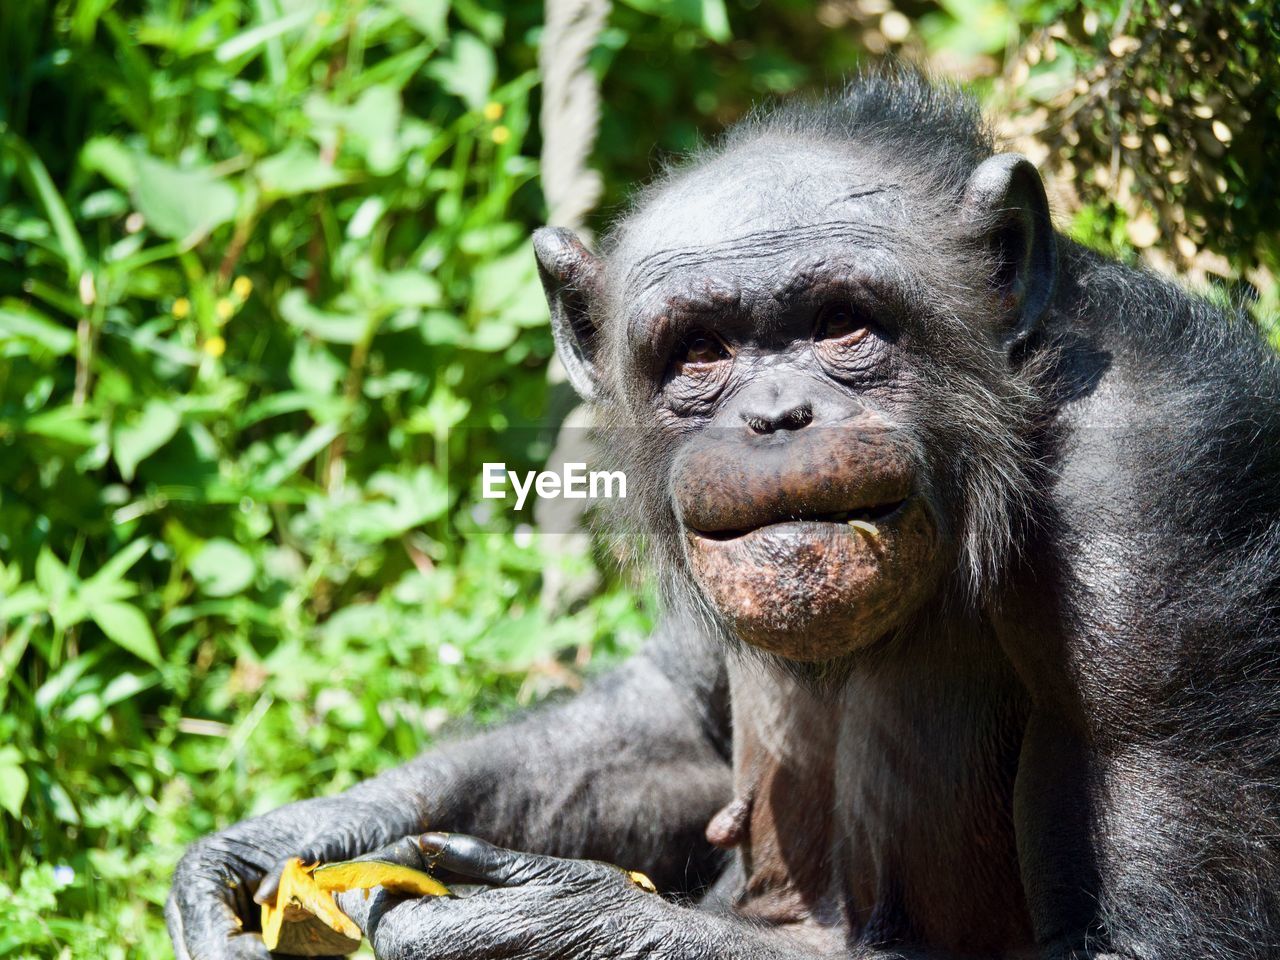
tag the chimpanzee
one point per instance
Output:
(971, 549)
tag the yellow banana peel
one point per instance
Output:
(305, 920)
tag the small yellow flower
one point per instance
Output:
(224, 309)
(500, 135)
(215, 347)
(493, 110)
(242, 287)
(182, 308)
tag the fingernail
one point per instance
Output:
(432, 842)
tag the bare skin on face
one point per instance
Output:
(810, 545)
(814, 590)
(798, 494)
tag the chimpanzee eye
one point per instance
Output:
(701, 347)
(839, 320)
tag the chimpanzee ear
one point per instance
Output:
(1004, 200)
(571, 278)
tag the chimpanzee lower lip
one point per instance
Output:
(871, 514)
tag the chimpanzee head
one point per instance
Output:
(813, 342)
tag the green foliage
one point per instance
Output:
(257, 263)
(1161, 115)
(261, 266)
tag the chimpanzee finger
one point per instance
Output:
(406, 852)
(204, 926)
(266, 892)
(320, 853)
(363, 907)
(401, 928)
(482, 862)
(335, 842)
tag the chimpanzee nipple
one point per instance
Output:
(729, 827)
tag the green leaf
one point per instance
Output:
(409, 288)
(250, 40)
(468, 70)
(52, 577)
(22, 602)
(20, 322)
(977, 27)
(109, 157)
(315, 440)
(108, 583)
(366, 217)
(371, 125)
(136, 440)
(13, 782)
(330, 327)
(297, 170)
(442, 327)
(428, 16)
(122, 561)
(68, 424)
(56, 687)
(125, 624)
(15, 645)
(33, 173)
(180, 204)
(315, 370)
(125, 685)
(508, 289)
(493, 334)
(488, 23)
(442, 412)
(373, 122)
(715, 21)
(222, 569)
(103, 204)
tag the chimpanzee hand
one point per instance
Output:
(212, 901)
(536, 908)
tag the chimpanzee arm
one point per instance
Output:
(545, 908)
(628, 771)
(1144, 850)
(1147, 798)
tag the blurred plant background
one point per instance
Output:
(257, 260)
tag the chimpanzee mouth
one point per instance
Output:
(870, 515)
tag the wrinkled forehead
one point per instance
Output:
(752, 212)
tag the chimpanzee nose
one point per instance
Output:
(783, 413)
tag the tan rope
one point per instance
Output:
(570, 109)
(570, 119)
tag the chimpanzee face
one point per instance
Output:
(764, 310)
(770, 317)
